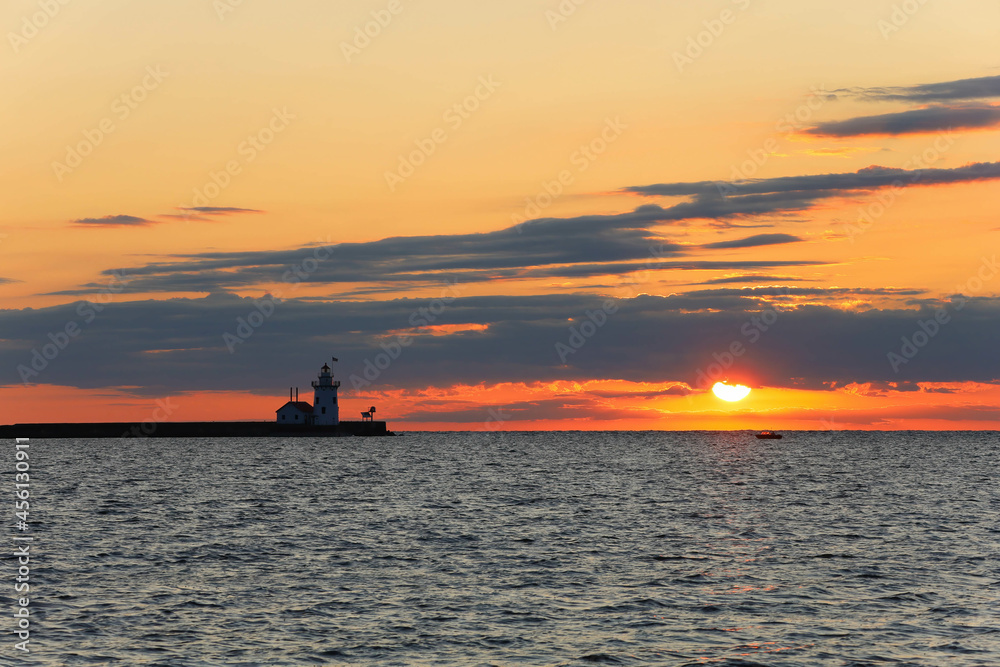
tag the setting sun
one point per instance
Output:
(731, 393)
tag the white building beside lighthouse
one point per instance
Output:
(325, 410)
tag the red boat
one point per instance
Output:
(768, 435)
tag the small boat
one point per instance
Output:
(768, 435)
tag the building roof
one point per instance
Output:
(301, 405)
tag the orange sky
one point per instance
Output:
(855, 407)
(290, 132)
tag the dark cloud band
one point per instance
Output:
(177, 345)
(916, 121)
(963, 89)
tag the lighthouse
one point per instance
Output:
(325, 411)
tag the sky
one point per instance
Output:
(531, 214)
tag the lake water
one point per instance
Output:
(843, 548)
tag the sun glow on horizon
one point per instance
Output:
(729, 392)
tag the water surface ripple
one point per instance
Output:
(517, 549)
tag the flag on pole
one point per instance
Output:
(335, 358)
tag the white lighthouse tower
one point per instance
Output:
(326, 412)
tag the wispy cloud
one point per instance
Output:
(915, 121)
(191, 213)
(775, 291)
(839, 151)
(810, 188)
(221, 210)
(756, 278)
(582, 246)
(407, 262)
(754, 241)
(203, 213)
(115, 221)
(962, 89)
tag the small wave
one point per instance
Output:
(601, 658)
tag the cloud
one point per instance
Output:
(545, 248)
(221, 210)
(648, 339)
(204, 213)
(915, 121)
(840, 151)
(192, 213)
(7, 281)
(962, 89)
(582, 246)
(811, 188)
(673, 390)
(949, 105)
(881, 388)
(757, 278)
(773, 291)
(186, 277)
(754, 241)
(115, 221)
